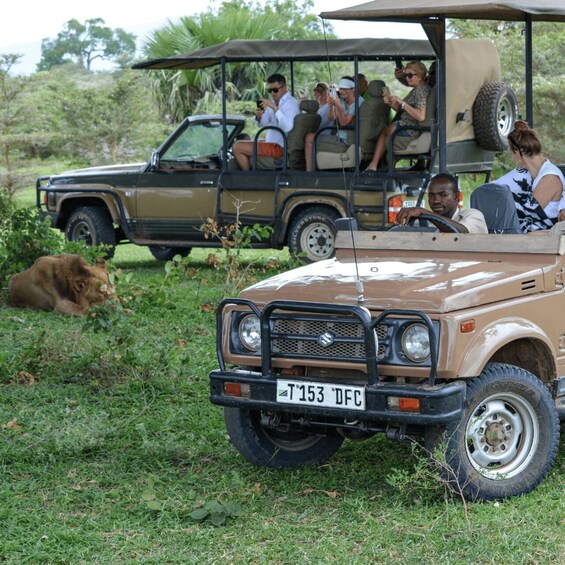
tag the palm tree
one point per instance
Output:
(179, 93)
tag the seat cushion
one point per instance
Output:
(336, 159)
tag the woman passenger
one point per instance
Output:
(413, 109)
(540, 193)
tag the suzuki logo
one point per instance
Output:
(326, 339)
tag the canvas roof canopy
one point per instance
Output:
(433, 13)
(410, 10)
(248, 50)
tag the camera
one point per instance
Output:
(398, 63)
(333, 92)
(259, 103)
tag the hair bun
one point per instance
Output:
(521, 125)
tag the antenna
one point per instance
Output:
(358, 282)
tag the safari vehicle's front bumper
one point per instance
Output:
(335, 395)
(385, 403)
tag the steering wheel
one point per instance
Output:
(439, 220)
(425, 227)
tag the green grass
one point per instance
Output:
(108, 442)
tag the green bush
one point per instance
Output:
(24, 237)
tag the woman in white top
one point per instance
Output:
(540, 197)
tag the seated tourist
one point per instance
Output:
(537, 185)
(280, 112)
(342, 110)
(412, 109)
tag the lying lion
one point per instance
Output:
(64, 283)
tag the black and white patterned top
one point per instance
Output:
(530, 213)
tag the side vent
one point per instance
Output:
(528, 285)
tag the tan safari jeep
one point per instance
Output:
(458, 339)
(163, 202)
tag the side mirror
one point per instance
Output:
(154, 161)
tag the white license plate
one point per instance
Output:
(321, 394)
(409, 204)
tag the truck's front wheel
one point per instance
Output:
(507, 439)
(267, 447)
(93, 226)
(163, 253)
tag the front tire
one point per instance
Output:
(92, 225)
(267, 447)
(313, 233)
(162, 253)
(507, 439)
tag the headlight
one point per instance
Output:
(250, 332)
(416, 343)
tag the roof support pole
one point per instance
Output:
(441, 80)
(529, 71)
(224, 113)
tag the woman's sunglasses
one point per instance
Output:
(408, 75)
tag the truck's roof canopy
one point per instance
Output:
(413, 10)
(249, 50)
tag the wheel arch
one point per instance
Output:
(71, 203)
(295, 205)
(514, 342)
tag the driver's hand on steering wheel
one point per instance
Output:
(406, 215)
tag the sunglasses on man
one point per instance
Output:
(274, 90)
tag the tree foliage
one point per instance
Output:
(182, 92)
(13, 118)
(110, 121)
(84, 43)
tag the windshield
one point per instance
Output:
(197, 140)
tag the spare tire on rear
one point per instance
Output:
(494, 112)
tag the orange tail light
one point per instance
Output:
(394, 206)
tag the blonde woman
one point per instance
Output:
(412, 108)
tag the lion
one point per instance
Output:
(66, 284)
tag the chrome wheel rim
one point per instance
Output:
(81, 232)
(318, 241)
(502, 436)
(505, 117)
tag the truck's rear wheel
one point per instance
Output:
(507, 439)
(268, 447)
(93, 226)
(162, 253)
(313, 233)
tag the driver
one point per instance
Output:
(443, 198)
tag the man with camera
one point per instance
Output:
(279, 112)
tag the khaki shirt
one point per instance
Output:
(472, 219)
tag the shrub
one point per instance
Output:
(24, 237)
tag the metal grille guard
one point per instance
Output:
(361, 313)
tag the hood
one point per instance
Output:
(433, 285)
(124, 168)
